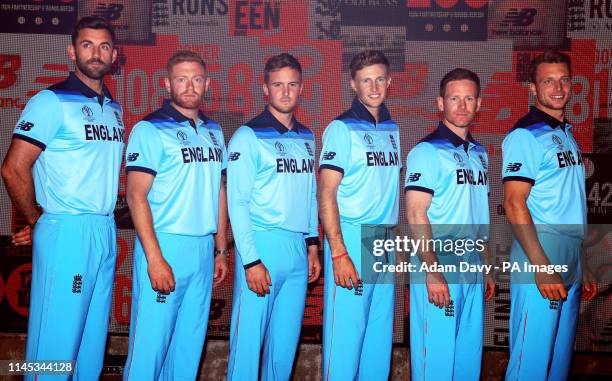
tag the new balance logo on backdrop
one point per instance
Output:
(519, 17)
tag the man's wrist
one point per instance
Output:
(312, 241)
(33, 217)
(223, 252)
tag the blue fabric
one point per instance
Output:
(271, 182)
(187, 163)
(542, 332)
(167, 332)
(542, 151)
(446, 343)
(456, 178)
(273, 321)
(73, 267)
(82, 140)
(357, 324)
(368, 155)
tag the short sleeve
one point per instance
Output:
(144, 151)
(336, 149)
(422, 169)
(522, 156)
(40, 120)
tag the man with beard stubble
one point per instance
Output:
(175, 162)
(62, 174)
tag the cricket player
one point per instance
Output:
(273, 211)
(174, 163)
(62, 174)
(545, 200)
(447, 198)
(359, 185)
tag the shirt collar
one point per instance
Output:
(541, 116)
(362, 112)
(456, 140)
(74, 83)
(278, 126)
(177, 116)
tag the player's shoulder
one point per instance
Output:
(349, 119)
(44, 97)
(260, 127)
(529, 124)
(424, 147)
(152, 122)
(434, 141)
(304, 131)
(336, 126)
(158, 119)
(244, 132)
(212, 124)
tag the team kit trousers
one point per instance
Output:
(542, 332)
(446, 342)
(274, 320)
(167, 331)
(357, 323)
(72, 281)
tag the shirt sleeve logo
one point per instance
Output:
(513, 167)
(25, 126)
(413, 177)
(132, 156)
(233, 156)
(329, 155)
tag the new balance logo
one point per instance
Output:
(132, 156)
(414, 177)
(513, 167)
(110, 12)
(25, 126)
(519, 17)
(233, 156)
(160, 298)
(450, 309)
(77, 284)
(554, 305)
(329, 155)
